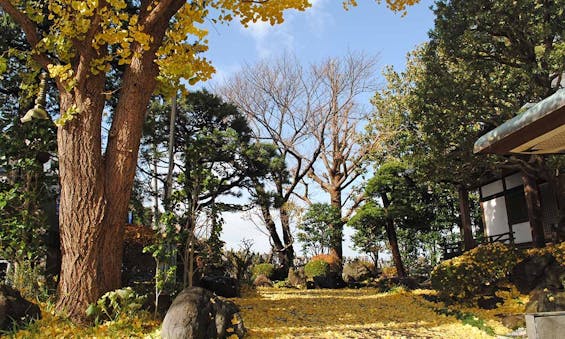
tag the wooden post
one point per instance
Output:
(533, 203)
(464, 210)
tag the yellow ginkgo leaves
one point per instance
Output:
(365, 313)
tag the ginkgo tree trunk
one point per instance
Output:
(82, 44)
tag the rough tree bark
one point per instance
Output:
(393, 240)
(465, 215)
(283, 251)
(533, 204)
(336, 230)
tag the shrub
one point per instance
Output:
(332, 260)
(316, 268)
(265, 269)
(114, 304)
(282, 284)
(465, 276)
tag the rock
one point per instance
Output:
(529, 274)
(554, 276)
(221, 285)
(13, 307)
(332, 280)
(262, 281)
(513, 321)
(356, 271)
(198, 314)
(297, 277)
(546, 300)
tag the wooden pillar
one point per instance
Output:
(533, 203)
(465, 213)
(560, 197)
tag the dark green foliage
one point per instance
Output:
(214, 158)
(113, 304)
(315, 231)
(410, 203)
(265, 269)
(317, 268)
(411, 206)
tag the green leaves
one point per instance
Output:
(114, 304)
(3, 66)
(318, 228)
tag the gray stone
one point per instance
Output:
(262, 281)
(529, 274)
(546, 300)
(15, 308)
(356, 271)
(554, 276)
(513, 321)
(197, 313)
(545, 325)
(297, 277)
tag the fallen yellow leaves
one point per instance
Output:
(348, 313)
(291, 313)
(50, 326)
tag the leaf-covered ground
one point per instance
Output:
(347, 313)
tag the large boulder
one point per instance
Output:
(14, 308)
(356, 271)
(530, 273)
(262, 281)
(331, 280)
(546, 300)
(197, 313)
(226, 287)
(554, 276)
(297, 277)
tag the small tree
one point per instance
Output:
(369, 233)
(405, 204)
(315, 234)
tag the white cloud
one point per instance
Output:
(319, 17)
(270, 40)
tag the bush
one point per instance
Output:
(263, 269)
(316, 268)
(282, 284)
(332, 260)
(467, 275)
(114, 304)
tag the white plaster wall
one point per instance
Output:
(492, 188)
(496, 218)
(522, 232)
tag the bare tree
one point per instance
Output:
(343, 148)
(308, 114)
(280, 99)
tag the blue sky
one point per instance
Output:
(323, 31)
